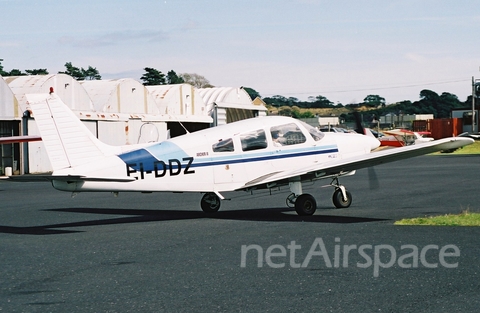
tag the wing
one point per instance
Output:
(345, 166)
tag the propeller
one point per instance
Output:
(372, 175)
(373, 183)
(358, 123)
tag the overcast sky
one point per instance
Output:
(343, 50)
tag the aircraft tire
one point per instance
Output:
(210, 203)
(305, 205)
(338, 199)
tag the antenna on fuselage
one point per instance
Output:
(186, 130)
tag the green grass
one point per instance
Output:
(474, 148)
(465, 218)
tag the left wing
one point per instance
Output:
(344, 166)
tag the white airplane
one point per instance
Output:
(257, 153)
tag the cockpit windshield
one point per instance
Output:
(314, 132)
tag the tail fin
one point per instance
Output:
(67, 141)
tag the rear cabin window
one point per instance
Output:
(254, 140)
(223, 145)
(286, 135)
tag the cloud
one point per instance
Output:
(189, 25)
(415, 57)
(113, 38)
(8, 44)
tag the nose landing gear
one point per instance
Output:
(305, 204)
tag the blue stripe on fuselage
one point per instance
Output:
(261, 157)
(147, 159)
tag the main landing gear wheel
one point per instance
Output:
(210, 202)
(305, 204)
(339, 201)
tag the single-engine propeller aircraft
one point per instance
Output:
(257, 153)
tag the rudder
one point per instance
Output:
(67, 140)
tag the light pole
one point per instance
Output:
(473, 105)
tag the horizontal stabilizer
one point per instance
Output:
(68, 178)
(16, 139)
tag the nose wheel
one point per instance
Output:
(341, 198)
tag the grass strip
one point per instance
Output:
(463, 219)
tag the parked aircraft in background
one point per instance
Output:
(403, 137)
(257, 153)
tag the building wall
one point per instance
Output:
(8, 104)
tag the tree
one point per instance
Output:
(91, 73)
(2, 73)
(73, 71)
(196, 80)
(429, 96)
(173, 78)
(276, 101)
(319, 102)
(39, 71)
(448, 102)
(153, 77)
(374, 101)
(16, 72)
(285, 111)
(252, 92)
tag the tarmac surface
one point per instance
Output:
(160, 253)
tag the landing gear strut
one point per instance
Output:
(304, 203)
(340, 201)
(342, 198)
(210, 202)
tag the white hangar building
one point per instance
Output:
(181, 103)
(228, 104)
(118, 112)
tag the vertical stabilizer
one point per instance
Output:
(67, 141)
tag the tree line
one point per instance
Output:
(373, 105)
(151, 76)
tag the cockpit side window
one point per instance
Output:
(254, 140)
(287, 134)
(223, 145)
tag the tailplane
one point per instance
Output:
(67, 140)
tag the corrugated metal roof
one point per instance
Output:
(121, 96)
(67, 88)
(178, 99)
(228, 97)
